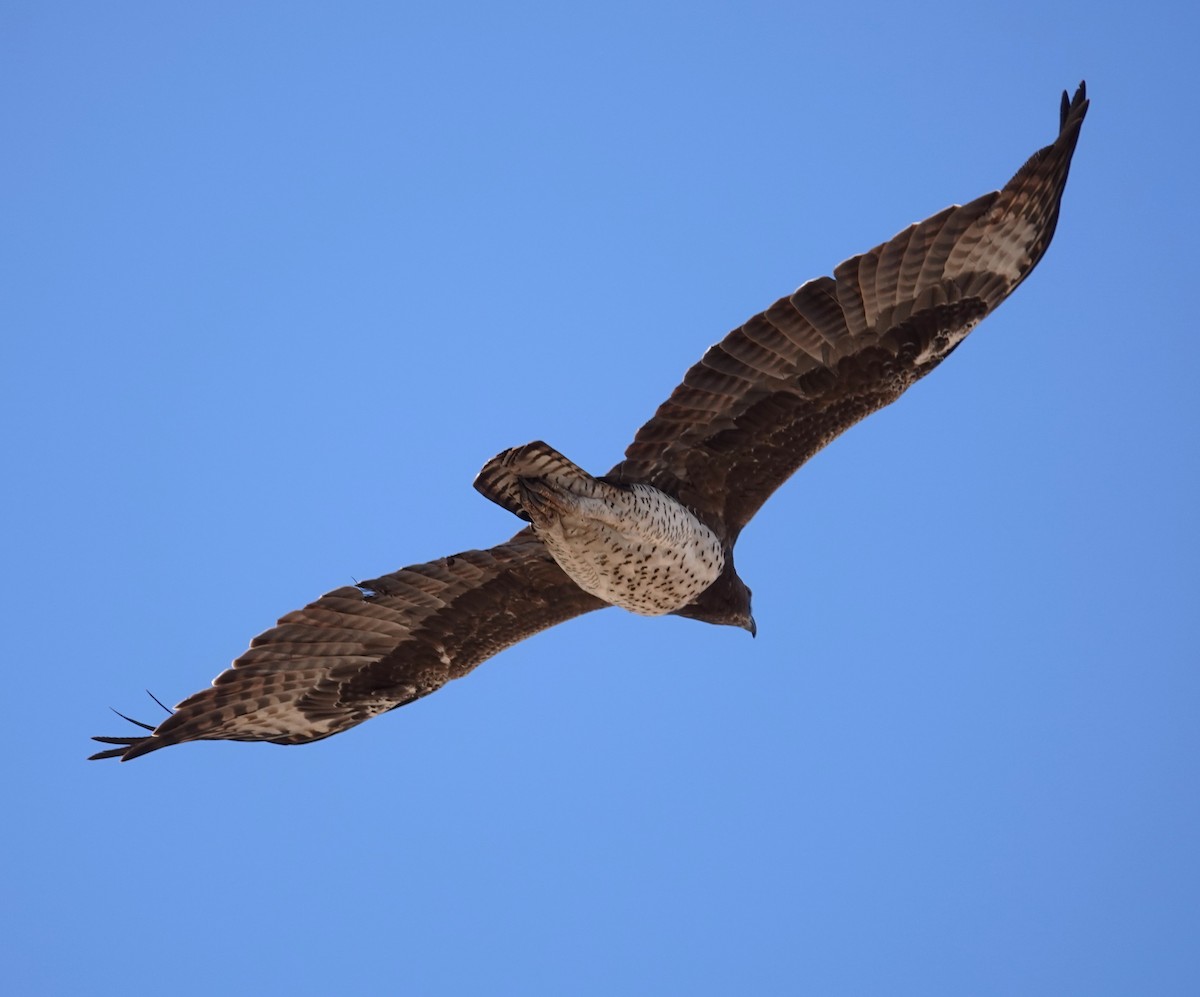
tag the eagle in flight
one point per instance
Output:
(656, 534)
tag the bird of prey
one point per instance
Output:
(656, 534)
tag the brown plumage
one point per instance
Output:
(359, 651)
(756, 407)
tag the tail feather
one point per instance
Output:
(498, 480)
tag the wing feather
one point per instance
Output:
(775, 391)
(359, 651)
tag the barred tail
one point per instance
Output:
(498, 478)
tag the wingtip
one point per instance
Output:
(124, 745)
(128, 748)
(1073, 108)
(131, 747)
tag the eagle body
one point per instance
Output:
(632, 546)
(656, 534)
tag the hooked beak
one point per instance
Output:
(751, 626)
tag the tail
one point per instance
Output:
(498, 479)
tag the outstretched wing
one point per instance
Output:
(774, 392)
(360, 651)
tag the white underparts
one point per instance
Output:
(634, 547)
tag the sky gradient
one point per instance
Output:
(279, 278)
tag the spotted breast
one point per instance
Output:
(630, 545)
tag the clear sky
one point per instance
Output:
(277, 279)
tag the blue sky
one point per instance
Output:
(278, 279)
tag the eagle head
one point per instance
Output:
(726, 602)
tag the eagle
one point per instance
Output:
(656, 534)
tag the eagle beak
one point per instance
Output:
(752, 627)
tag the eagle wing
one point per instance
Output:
(775, 391)
(756, 407)
(359, 651)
